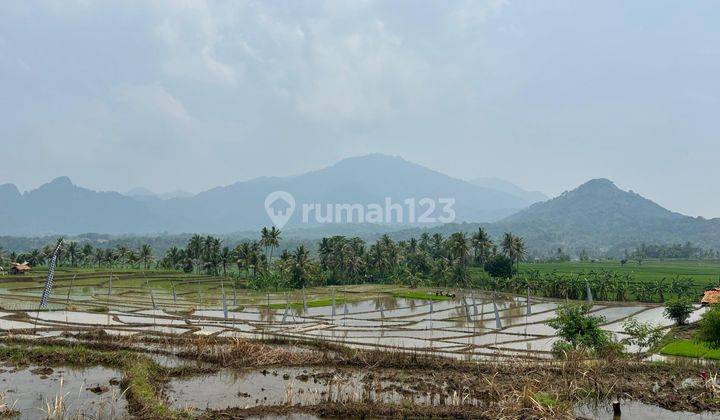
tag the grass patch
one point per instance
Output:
(545, 399)
(690, 348)
(311, 304)
(413, 294)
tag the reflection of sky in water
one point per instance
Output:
(407, 323)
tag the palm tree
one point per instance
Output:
(514, 248)
(225, 257)
(273, 241)
(121, 252)
(36, 257)
(265, 239)
(481, 244)
(437, 245)
(132, 258)
(73, 252)
(145, 255)
(459, 248)
(300, 266)
(87, 252)
(324, 251)
(98, 256)
(194, 249)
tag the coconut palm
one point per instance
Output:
(437, 245)
(36, 257)
(194, 250)
(121, 252)
(459, 247)
(513, 247)
(87, 253)
(300, 266)
(73, 252)
(145, 254)
(481, 244)
(225, 257)
(273, 241)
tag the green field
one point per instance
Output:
(689, 348)
(702, 272)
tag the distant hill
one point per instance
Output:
(60, 207)
(143, 193)
(510, 188)
(366, 179)
(597, 216)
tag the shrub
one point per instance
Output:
(499, 266)
(642, 334)
(709, 327)
(580, 330)
(679, 310)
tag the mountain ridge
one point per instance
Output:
(240, 206)
(596, 215)
(510, 188)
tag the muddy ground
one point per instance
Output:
(210, 377)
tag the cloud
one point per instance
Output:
(191, 33)
(152, 100)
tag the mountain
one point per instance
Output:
(62, 207)
(510, 188)
(143, 193)
(140, 192)
(174, 194)
(365, 180)
(599, 216)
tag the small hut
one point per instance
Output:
(711, 297)
(18, 268)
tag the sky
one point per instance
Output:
(191, 94)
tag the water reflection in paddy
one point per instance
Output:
(29, 389)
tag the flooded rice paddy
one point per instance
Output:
(469, 325)
(35, 392)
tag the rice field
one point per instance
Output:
(464, 324)
(156, 344)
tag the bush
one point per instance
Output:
(709, 327)
(580, 330)
(499, 266)
(679, 310)
(643, 335)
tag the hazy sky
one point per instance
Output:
(190, 94)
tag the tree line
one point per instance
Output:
(74, 254)
(426, 260)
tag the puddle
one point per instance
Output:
(638, 411)
(301, 386)
(29, 390)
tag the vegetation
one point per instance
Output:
(690, 348)
(459, 260)
(709, 328)
(643, 335)
(679, 310)
(419, 295)
(578, 330)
